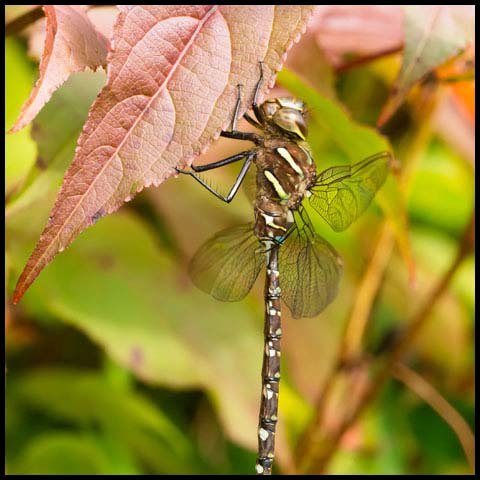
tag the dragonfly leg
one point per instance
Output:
(251, 121)
(236, 185)
(252, 137)
(219, 163)
(255, 107)
(237, 108)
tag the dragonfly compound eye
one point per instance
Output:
(291, 120)
(269, 108)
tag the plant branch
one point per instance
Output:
(431, 396)
(319, 457)
(352, 338)
(358, 62)
(23, 21)
(354, 333)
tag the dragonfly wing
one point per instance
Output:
(227, 265)
(341, 194)
(310, 271)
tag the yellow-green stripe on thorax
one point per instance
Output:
(282, 195)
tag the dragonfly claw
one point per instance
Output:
(186, 172)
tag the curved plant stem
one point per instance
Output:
(354, 333)
(316, 459)
(430, 395)
(23, 21)
(358, 62)
(413, 147)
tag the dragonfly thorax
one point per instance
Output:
(285, 173)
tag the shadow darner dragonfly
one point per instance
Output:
(282, 236)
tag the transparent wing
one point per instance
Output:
(227, 265)
(341, 194)
(310, 270)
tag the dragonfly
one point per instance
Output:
(282, 236)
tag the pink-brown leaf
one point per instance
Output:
(171, 88)
(71, 45)
(346, 32)
(103, 18)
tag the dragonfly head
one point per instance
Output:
(286, 114)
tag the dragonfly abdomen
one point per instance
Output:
(272, 220)
(271, 368)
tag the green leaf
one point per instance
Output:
(439, 444)
(56, 130)
(441, 170)
(20, 150)
(88, 401)
(117, 286)
(60, 453)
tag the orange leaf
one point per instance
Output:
(433, 34)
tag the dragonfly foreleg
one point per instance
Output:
(237, 108)
(233, 132)
(251, 137)
(255, 107)
(251, 121)
(235, 186)
(219, 163)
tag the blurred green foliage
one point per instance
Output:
(117, 365)
(20, 147)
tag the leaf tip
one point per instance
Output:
(18, 294)
(27, 277)
(17, 126)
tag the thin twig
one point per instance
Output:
(430, 395)
(357, 322)
(352, 338)
(352, 344)
(23, 21)
(358, 62)
(396, 353)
